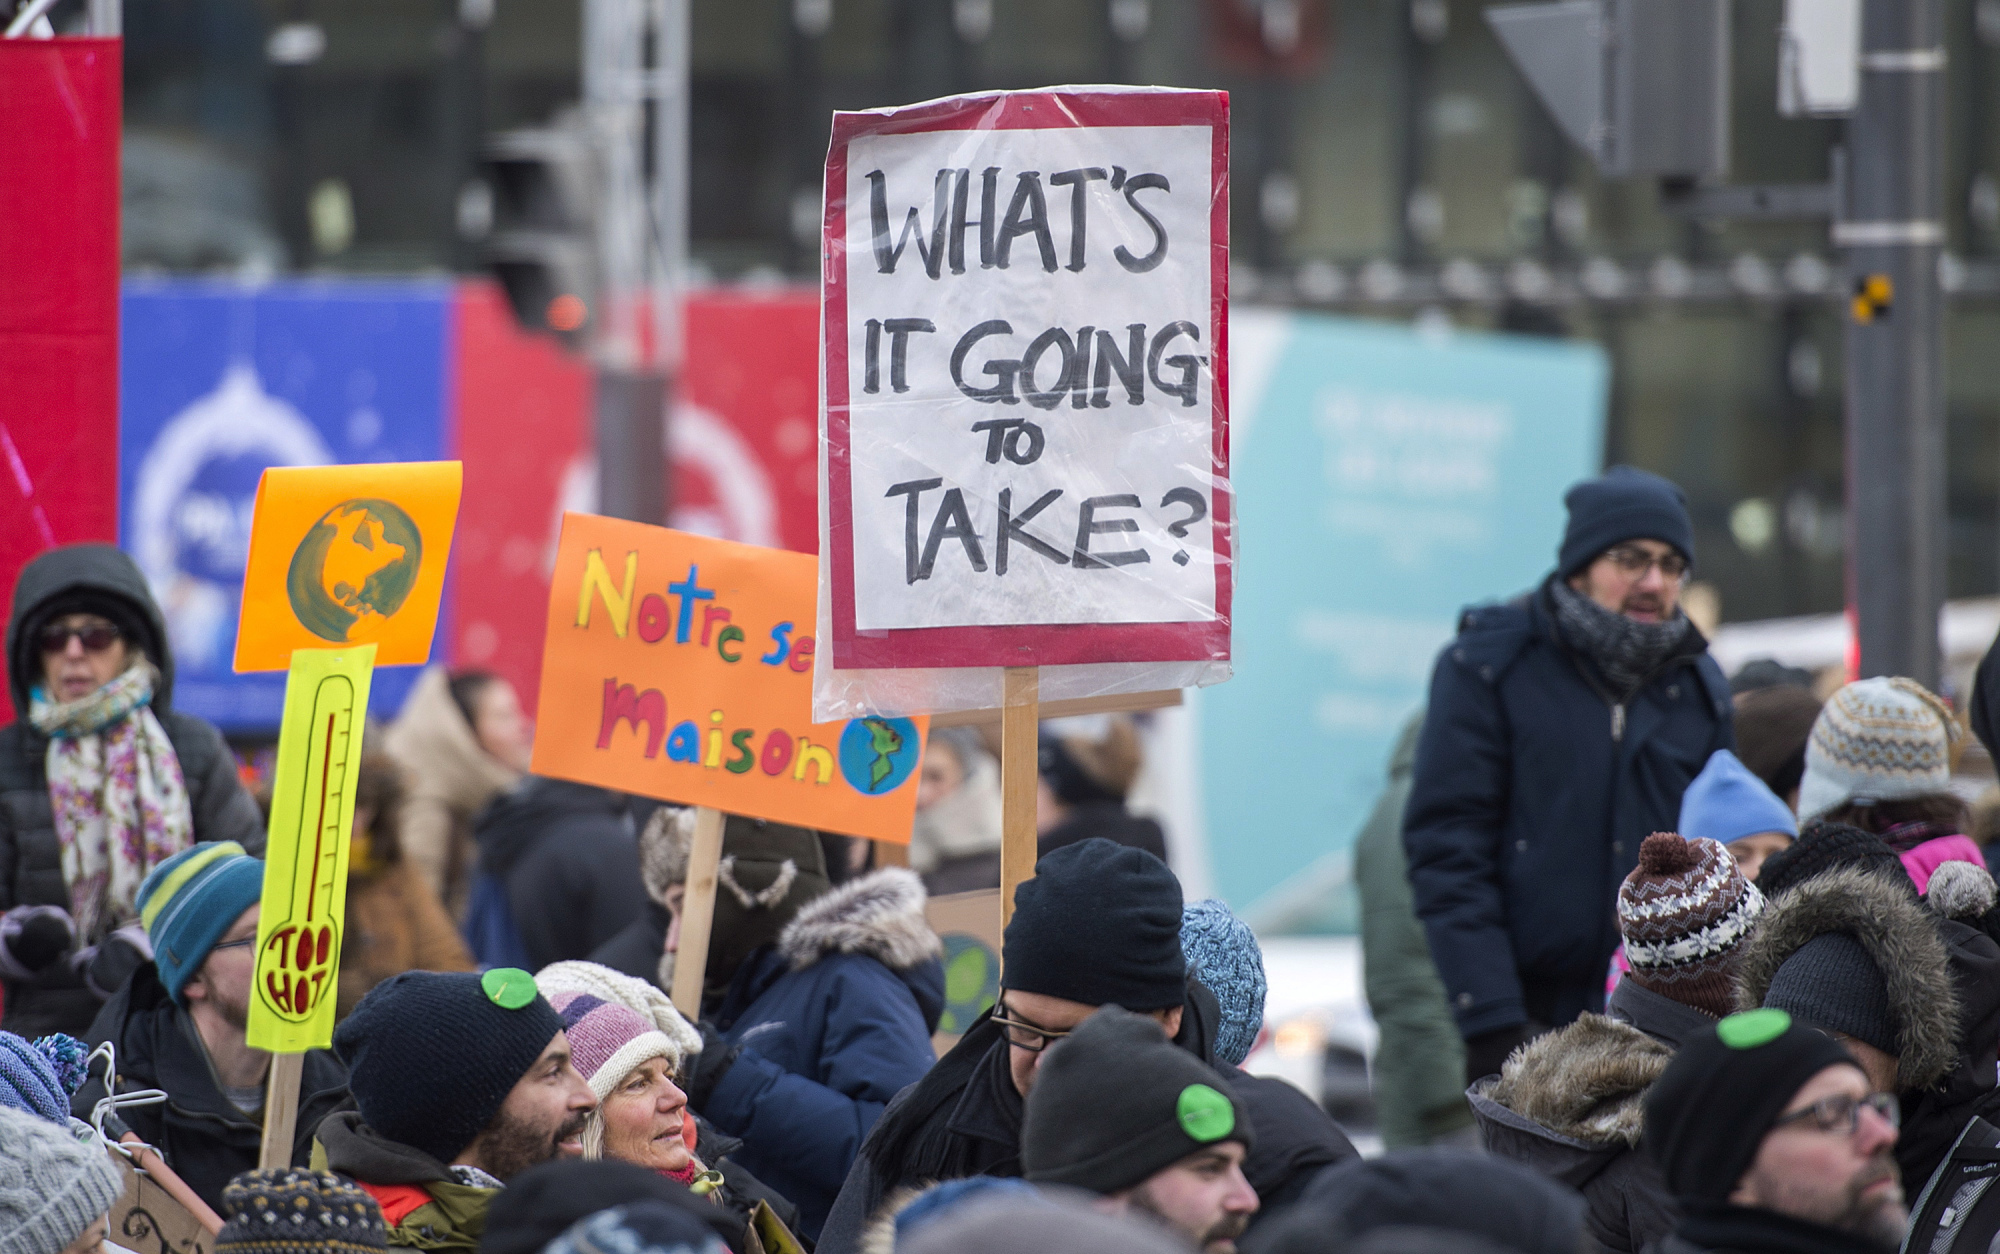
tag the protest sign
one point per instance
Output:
(968, 926)
(679, 667)
(347, 555)
(305, 861)
(1024, 309)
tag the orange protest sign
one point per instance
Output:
(347, 555)
(680, 667)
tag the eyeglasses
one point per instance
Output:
(245, 943)
(96, 637)
(1023, 1035)
(1843, 1113)
(1636, 562)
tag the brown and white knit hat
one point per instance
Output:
(1877, 740)
(1684, 911)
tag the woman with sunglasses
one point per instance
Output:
(101, 780)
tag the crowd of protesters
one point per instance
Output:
(1663, 962)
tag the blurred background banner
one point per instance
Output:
(219, 383)
(1388, 478)
(219, 380)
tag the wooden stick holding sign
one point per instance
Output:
(698, 911)
(1019, 768)
(281, 1110)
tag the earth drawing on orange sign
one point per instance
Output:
(354, 569)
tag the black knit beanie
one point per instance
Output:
(1100, 924)
(1709, 1110)
(1823, 847)
(1116, 1102)
(537, 1205)
(432, 1056)
(1831, 983)
(1624, 504)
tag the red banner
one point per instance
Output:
(58, 298)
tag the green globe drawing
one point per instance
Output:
(354, 570)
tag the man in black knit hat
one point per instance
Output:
(1774, 1141)
(463, 1081)
(1098, 925)
(1120, 1112)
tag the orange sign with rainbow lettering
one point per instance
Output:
(345, 555)
(680, 667)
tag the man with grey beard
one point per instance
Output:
(179, 1023)
(1775, 1142)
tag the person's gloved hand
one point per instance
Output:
(1486, 1053)
(716, 1057)
(32, 938)
(106, 967)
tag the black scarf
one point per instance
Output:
(1745, 1231)
(1623, 651)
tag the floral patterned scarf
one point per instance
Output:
(121, 805)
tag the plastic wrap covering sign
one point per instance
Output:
(679, 667)
(1025, 395)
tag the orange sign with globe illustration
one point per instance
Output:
(347, 555)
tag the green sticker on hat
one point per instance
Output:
(1752, 1028)
(510, 988)
(1205, 1114)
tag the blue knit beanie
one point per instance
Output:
(1223, 954)
(1624, 504)
(432, 1056)
(1726, 802)
(190, 900)
(39, 1076)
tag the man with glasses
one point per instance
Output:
(1098, 925)
(1562, 729)
(1775, 1141)
(179, 1023)
(101, 780)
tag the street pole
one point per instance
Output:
(635, 81)
(1892, 229)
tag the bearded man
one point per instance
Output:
(178, 1025)
(462, 1082)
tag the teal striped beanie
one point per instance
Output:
(187, 902)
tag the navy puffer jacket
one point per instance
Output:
(1533, 790)
(833, 1021)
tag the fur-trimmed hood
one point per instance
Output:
(1586, 1083)
(1900, 935)
(880, 915)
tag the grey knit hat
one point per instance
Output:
(1832, 983)
(52, 1184)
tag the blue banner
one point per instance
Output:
(1385, 478)
(217, 382)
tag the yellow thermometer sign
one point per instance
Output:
(305, 863)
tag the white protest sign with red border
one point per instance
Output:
(1025, 302)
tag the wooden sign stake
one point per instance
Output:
(698, 911)
(281, 1109)
(1019, 769)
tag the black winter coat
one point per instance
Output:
(570, 862)
(203, 1137)
(30, 854)
(1534, 787)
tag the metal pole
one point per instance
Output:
(1892, 231)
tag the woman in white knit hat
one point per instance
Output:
(632, 1047)
(1880, 759)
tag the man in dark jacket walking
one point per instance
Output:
(178, 1025)
(92, 678)
(1562, 730)
(1774, 1141)
(564, 859)
(1098, 925)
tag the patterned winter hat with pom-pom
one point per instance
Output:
(39, 1076)
(1684, 912)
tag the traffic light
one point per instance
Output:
(543, 244)
(1641, 85)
